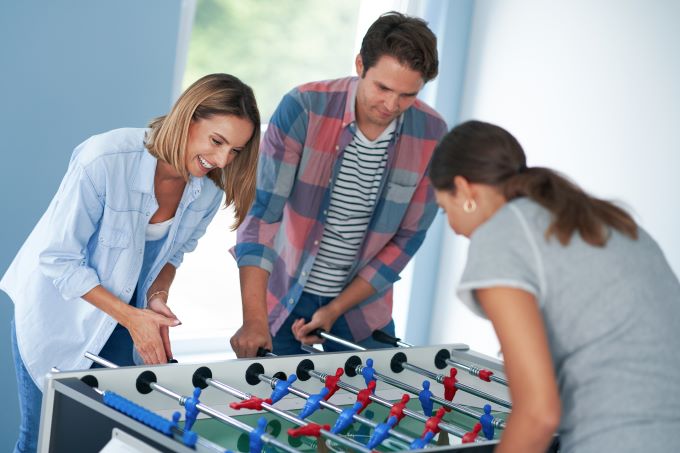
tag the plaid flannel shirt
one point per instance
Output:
(300, 156)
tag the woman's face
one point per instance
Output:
(483, 201)
(214, 142)
(460, 221)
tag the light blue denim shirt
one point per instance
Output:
(93, 233)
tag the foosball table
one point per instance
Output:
(435, 398)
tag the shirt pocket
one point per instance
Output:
(393, 207)
(399, 193)
(110, 244)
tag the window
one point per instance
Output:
(271, 46)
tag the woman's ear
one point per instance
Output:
(463, 187)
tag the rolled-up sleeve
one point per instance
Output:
(73, 220)
(280, 153)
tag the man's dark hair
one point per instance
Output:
(408, 39)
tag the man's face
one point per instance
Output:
(386, 90)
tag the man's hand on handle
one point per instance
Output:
(251, 336)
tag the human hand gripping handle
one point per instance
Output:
(145, 327)
(158, 304)
(250, 337)
(323, 318)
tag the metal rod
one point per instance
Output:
(176, 430)
(285, 414)
(295, 391)
(266, 438)
(498, 423)
(474, 370)
(458, 408)
(460, 386)
(342, 341)
(418, 416)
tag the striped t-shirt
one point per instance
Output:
(353, 198)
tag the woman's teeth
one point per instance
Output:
(205, 163)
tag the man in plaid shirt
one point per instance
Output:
(343, 197)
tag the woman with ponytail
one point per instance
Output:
(585, 306)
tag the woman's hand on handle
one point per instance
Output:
(159, 305)
(145, 327)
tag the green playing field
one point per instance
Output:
(235, 440)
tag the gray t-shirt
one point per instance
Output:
(612, 316)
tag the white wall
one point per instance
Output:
(589, 88)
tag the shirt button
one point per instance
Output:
(316, 242)
(148, 213)
(291, 301)
(304, 273)
(325, 212)
(337, 147)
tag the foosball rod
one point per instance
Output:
(272, 381)
(266, 438)
(460, 386)
(402, 385)
(383, 402)
(409, 388)
(201, 376)
(473, 369)
(176, 430)
(350, 388)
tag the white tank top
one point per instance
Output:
(156, 231)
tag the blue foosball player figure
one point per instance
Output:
(381, 432)
(346, 418)
(425, 396)
(255, 436)
(191, 411)
(281, 388)
(313, 402)
(368, 372)
(487, 422)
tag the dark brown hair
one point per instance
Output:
(408, 39)
(487, 154)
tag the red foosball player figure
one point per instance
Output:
(310, 429)
(450, 385)
(364, 396)
(397, 409)
(331, 382)
(253, 403)
(432, 423)
(472, 435)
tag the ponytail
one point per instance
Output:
(487, 154)
(573, 210)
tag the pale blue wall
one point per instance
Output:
(69, 69)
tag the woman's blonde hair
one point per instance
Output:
(214, 94)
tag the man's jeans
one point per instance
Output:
(30, 400)
(284, 342)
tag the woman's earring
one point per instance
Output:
(469, 206)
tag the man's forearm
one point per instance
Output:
(355, 293)
(254, 293)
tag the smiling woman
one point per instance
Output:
(100, 262)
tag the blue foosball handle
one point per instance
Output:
(147, 417)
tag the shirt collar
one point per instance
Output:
(350, 106)
(144, 178)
